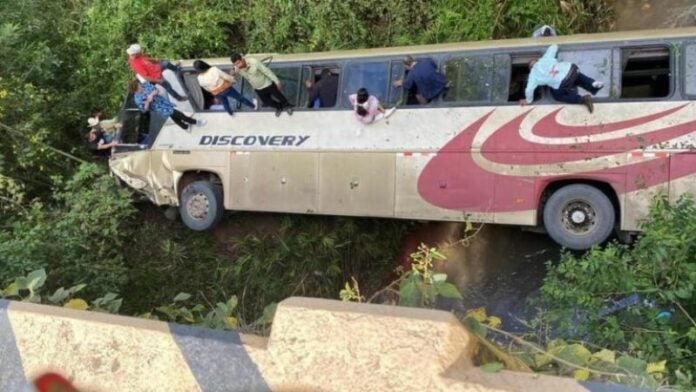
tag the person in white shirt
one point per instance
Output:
(220, 84)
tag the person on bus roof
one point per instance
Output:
(220, 84)
(562, 77)
(147, 97)
(424, 76)
(150, 70)
(266, 84)
(366, 107)
(325, 90)
(544, 31)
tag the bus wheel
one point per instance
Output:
(579, 216)
(200, 205)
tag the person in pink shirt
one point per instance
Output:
(366, 107)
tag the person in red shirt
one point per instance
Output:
(151, 69)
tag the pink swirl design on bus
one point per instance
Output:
(453, 179)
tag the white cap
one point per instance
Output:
(93, 121)
(133, 49)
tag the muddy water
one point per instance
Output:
(499, 268)
(503, 266)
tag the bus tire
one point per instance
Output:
(200, 205)
(579, 216)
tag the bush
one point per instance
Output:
(640, 299)
(78, 235)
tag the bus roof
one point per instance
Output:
(469, 45)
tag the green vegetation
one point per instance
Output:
(68, 218)
(586, 328)
(62, 58)
(660, 268)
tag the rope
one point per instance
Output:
(57, 151)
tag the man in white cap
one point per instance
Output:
(544, 31)
(150, 69)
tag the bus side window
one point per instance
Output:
(290, 78)
(374, 76)
(595, 63)
(195, 92)
(314, 74)
(397, 95)
(134, 122)
(471, 79)
(519, 73)
(646, 72)
(690, 70)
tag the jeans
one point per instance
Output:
(181, 119)
(271, 96)
(165, 64)
(568, 90)
(231, 92)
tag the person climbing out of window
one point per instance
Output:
(150, 70)
(367, 108)
(325, 90)
(220, 84)
(99, 142)
(562, 77)
(266, 84)
(147, 97)
(424, 76)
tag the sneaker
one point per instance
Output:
(187, 128)
(278, 111)
(201, 122)
(256, 103)
(587, 101)
(598, 85)
(289, 110)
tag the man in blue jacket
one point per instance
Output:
(562, 77)
(424, 76)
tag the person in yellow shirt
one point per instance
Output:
(220, 84)
(266, 84)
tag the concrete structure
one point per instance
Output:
(314, 345)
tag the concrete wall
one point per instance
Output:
(314, 345)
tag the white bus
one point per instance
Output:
(475, 154)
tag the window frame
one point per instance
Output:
(304, 93)
(619, 77)
(683, 71)
(343, 102)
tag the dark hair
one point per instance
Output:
(408, 61)
(133, 85)
(234, 57)
(201, 66)
(325, 72)
(546, 32)
(97, 112)
(361, 97)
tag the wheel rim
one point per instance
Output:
(198, 206)
(579, 217)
